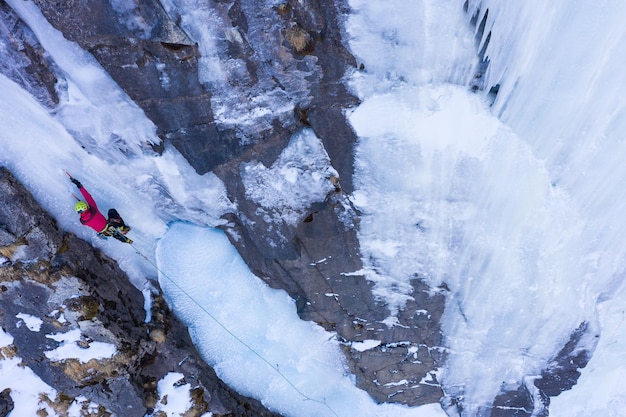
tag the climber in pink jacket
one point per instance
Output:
(91, 216)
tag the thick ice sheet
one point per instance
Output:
(252, 335)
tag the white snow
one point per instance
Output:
(174, 397)
(70, 348)
(365, 345)
(32, 323)
(517, 208)
(82, 406)
(5, 339)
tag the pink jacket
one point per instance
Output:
(92, 217)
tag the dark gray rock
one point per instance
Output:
(517, 403)
(23, 59)
(563, 371)
(533, 396)
(329, 97)
(6, 402)
(6, 238)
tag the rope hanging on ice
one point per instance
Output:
(274, 367)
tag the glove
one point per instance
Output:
(77, 183)
(101, 236)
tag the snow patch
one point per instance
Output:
(71, 349)
(32, 323)
(365, 345)
(174, 397)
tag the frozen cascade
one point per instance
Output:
(565, 97)
(519, 216)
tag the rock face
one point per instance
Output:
(61, 280)
(294, 52)
(24, 60)
(289, 58)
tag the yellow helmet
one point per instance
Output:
(80, 207)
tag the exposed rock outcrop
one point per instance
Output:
(24, 60)
(301, 59)
(69, 286)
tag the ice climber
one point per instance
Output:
(91, 216)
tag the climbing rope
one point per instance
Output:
(274, 367)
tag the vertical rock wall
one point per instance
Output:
(293, 53)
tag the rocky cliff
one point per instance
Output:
(305, 67)
(73, 289)
(288, 57)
